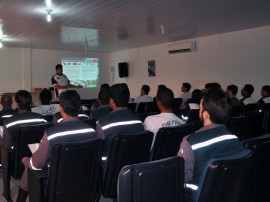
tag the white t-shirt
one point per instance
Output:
(46, 110)
(155, 122)
(186, 96)
(249, 100)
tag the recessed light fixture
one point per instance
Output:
(49, 17)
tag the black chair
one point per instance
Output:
(253, 119)
(238, 126)
(124, 150)
(157, 181)
(226, 179)
(251, 107)
(193, 115)
(261, 166)
(49, 118)
(236, 110)
(132, 106)
(147, 107)
(11, 158)
(167, 141)
(73, 173)
(177, 103)
(265, 121)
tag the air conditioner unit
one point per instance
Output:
(182, 47)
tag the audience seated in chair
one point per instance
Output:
(46, 108)
(144, 97)
(57, 118)
(104, 107)
(120, 121)
(185, 92)
(7, 110)
(246, 92)
(265, 92)
(231, 92)
(211, 141)
(70, 130)
(103, 87)
(24, 116)
(166, 118)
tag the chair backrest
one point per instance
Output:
(124, 150)
(226, 179)
(253, 119)
(177, 102)
(252, 107)
(238, 126)
(74, 171)
(167, 141)
(147, 107)
(261, 166)
(265, 121)
(157, 181)
(236, 110)
(132, 106)
(27, 134)
(90, 122)
(193, 115)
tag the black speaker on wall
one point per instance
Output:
(123, 69)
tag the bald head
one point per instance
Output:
(6, 101)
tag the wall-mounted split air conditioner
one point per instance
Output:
(182, 47)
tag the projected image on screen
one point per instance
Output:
(81, 71)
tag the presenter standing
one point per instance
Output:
(60, 82)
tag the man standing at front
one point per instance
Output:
(60, 82)
(211, 141)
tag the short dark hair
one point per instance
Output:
(166, 97)
(45, 96)
(104, 86)
(212, 85)
(58, 66)
(120, 94)
(6, 100)
(233, 88)
(215, 102)
(104, 97)
(187, 86)
(146, 89)
(161, 86)
(266, 89)
(70, 101)
(249, 89)
(23, 99)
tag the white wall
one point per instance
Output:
(24, 68)
(232, 58)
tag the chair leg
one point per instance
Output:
(6, 171)
(22, 195)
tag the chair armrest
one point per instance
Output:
(36, 185)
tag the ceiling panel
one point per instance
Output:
(121, 24)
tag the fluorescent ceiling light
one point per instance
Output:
(48, 3)
(1, 44)
(49, 17)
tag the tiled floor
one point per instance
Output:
(14, 191)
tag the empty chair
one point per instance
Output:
(226, 179)
(11, 158)
(155, 181)
(238, 126)
(261, 166)
(167, 141)
(124, 150)
(73, 173)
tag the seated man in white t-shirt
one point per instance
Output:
(166, 118)
(144, 97)
(46, 108)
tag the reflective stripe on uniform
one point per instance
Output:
(120, 124)
(212, 141)
(25, 121)
(71, 132)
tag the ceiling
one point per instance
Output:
(110, 25)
